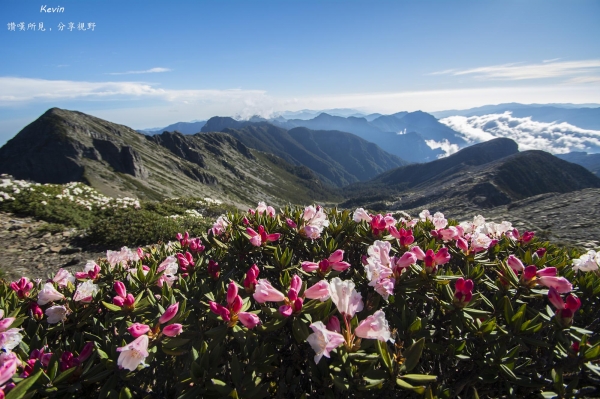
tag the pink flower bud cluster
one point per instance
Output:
(22, 287)
(530, 276)
(463, 292)
(293, 303)
(232, 312)
(193, 244)
(186, 262)
(326, 265)
(122, 299)
(261, 237)
(565, 310)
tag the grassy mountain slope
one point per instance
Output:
(336, 157)
(63, 146)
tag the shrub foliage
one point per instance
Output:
(312, 303)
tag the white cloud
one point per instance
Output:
(18, 90)
(520, 71)
(151, 70)
(557, 138)
(445, 145)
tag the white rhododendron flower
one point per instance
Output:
(85, 292)
(587, 262)
(56, 314)
(49, 294)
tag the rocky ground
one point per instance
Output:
(568, 219)
(27, 250)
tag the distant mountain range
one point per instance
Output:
(484, 175)
(181, 127)
(243, 162)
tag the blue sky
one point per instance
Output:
(151, 63)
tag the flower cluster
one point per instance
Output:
(282, 302)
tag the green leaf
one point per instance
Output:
(300, 330)
(125, 393)
(63, 376)
(413, 354)
(592, 352)
(385, 355)
(22, 387)
(420, 378)
(111, 307)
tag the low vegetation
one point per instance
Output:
(305, 302)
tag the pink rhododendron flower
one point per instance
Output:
(220, 310)
(439, 221)
(250, 280)
(170, 312)
(249, 320)
(374, 327)
(86, 352)
(385, 287)
(133, 354)
(173, 330)
(405, 236)
(315, 220)
(291, 224)
(213, 269)
(318, 291)
(231, 313)
(49, 294)
(22, 287)
(379, 266)
(480, 242)
(264, 292)
(56, 314)
(262, 208)
(186, 262)
(463, 292)
(91, 271)
(462, 244)
(220, 226)
(323, 341)
(8, 366)
(261, 237)
(560, 284)
(121, 257)
(334, 324)
(9, 338)
(515, 264)
(565, 311)
(293, 304)
(407, 259)
(324, 266)
(63, 278)
(347, 300)
(434, 259)
(36, 312)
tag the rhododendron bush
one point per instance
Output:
(312, 303)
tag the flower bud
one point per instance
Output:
(138, 329)
(169, 313)
(120, 289)
(172, 330)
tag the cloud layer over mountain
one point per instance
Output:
(556, 138)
